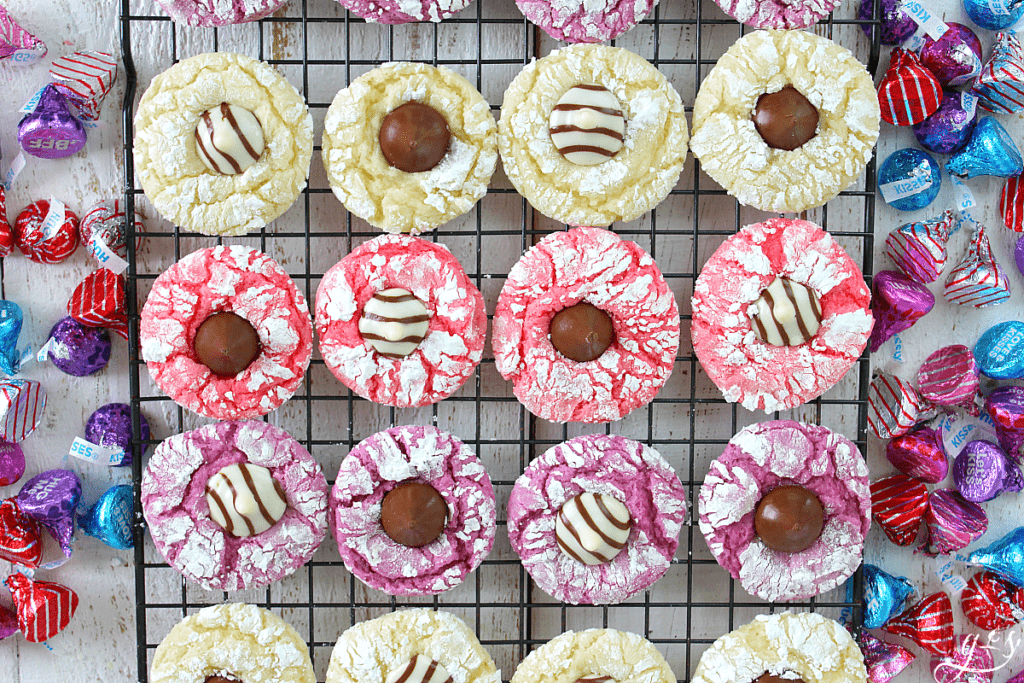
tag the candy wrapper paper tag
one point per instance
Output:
(951, 581)
(959, 430)
(91, 452)
(925, 18)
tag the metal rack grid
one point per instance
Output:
(688, 422)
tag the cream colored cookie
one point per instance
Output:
(372, 651)
(732, 152)
(169, 167)
(804, 646)
(625, 186)
(625, 657)
(237, 641)
(385, 196)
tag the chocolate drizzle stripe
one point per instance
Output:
(564, 545)
(793, 297)
(234, 496)
(411, 339)
(224, 155)
(369, 315)
(225, 110)
(591, 86)
(409, 668)
(622, 526)
(571, 149)
(577, 107)
(595, 526)
(393, 299)
(202, 147)
(247, 476)
(230, 528)
(568, 128)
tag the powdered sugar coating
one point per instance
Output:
(445, 358)
(427, 455)
(763, 457)
(807, 646)
(174, 505)
(778, 13)
(404, 11)
(585, 21)
(635, 474)
(245, 641)
(733, 153)
(250, 284)
(218, 12)
(616, 276)
(625, 657)
(749, 371)
(369, 651)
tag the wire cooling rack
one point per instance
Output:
(320, 48)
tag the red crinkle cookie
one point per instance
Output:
(37, 245)
(596, 266)
(452, 347)
(250, 284)
(759, 375)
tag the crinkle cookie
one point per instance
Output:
(596, 519)
(785, 509)
(792, 647)
(218, 12)
(382, 649)
(413, 511)
(222, 144)
(234, 505)
(404, 11)
(408, 147)
(780, 314)
(595, 655)
(236, 642)
(778, 13)
(591, 135)
(785, 120)
(586, 327)
(226, 333)
(399, 321)
(585, 21)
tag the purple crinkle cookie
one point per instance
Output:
(218, 12)
(633, 473)
(581, 21)
(175, 507)
(404, 11)
(427, 455)
(779, 14)
(765, 456)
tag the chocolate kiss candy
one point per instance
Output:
(982, 472)
(1005, 557)
(44, 608)
(977, 280)
(909, 179)
(953, 523)
(898, 303)
(884, 595)
(929, 623)
(17, 44)
(990, 151)
(994, 15)
(949, 377)
(99, 301)
(894, 406)
(6, 234)
(919, 454)
(951, 126)
(51, 131)
(898, 504)
(919, 248)
(1011, 203)
(110, 518)
(1005, 405)
(970, 662)
(1000, 351)
(991, 602)
(11, 319)
(955, 58)
(12, 463)
(896, 25)
(85, 78)
(909, 93)
(50, 498)
(1000, 86)
(19, 536)
(883, 660)
(22, 402)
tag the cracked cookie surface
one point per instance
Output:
(625, 657)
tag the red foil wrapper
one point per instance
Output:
(929, 623)
(20, 541)
(44, 608)
(919, 454)
(99, 301)
(953, 523)
(6, 234)
(991, 602)
(42, 242)
(898, 504)
(1011, 203)
(909, 93)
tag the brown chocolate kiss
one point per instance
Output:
(785, 119)
(581, 332)
(772, 678)
(226, 343)
(789, 519)
(414, 137)
(221, 679)
(413, 514)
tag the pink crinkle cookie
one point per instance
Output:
(447, 354)
(221, 279)
(595, 266)
(763, 457)
(404, 11)
(583, 21)
(634, 474)
(778, 13)
(218, 12)
(424, 455)
(757, 374)
(178, 512)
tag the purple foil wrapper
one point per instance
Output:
(950, 127)
(1005, 405)
(977, 280)
(51, 131)
(1018, 678)
(79, 350)
(971, 662)
(883, 660)
(1018, 255)
(897, 26)
(111, 425)
(982, 471)
(897, 304)
(919, 454)
(50, 498)
(919, 248)
(955, 58)
(953, 523)
(12, 463)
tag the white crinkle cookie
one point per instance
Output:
(625, 186)
(389, 198)
(732, 152)
(804, 648)
(237, 641)
(625, 657)
(369, 652)
(169, 168)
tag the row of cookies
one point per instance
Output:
(590, 135)
(240, 642)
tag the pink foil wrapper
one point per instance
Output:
(897, 304)
(17, 44)
(919, 454)
(1005, 405)
(949, 377)
(955, 58)
(953, 523)
(12, 463)
(894, 406)
(919, 248)
(883, 660)
(977, 280)
(971, 662)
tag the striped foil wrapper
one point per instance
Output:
(85, 78)
(929, 623)
(949, 377)
(898, 504)
(1000, 86)
(894, 406)
(977, 280)
(1011, 203)
(953, 523)
(17, 44)
(909, 93)
(919, 248)
(22, 402)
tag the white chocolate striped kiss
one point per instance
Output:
(245, 499)
(394, 322)
(786, 314)
(594, 678)
(587, 125)
(592, 528)
(229, 139)
(419, 669)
